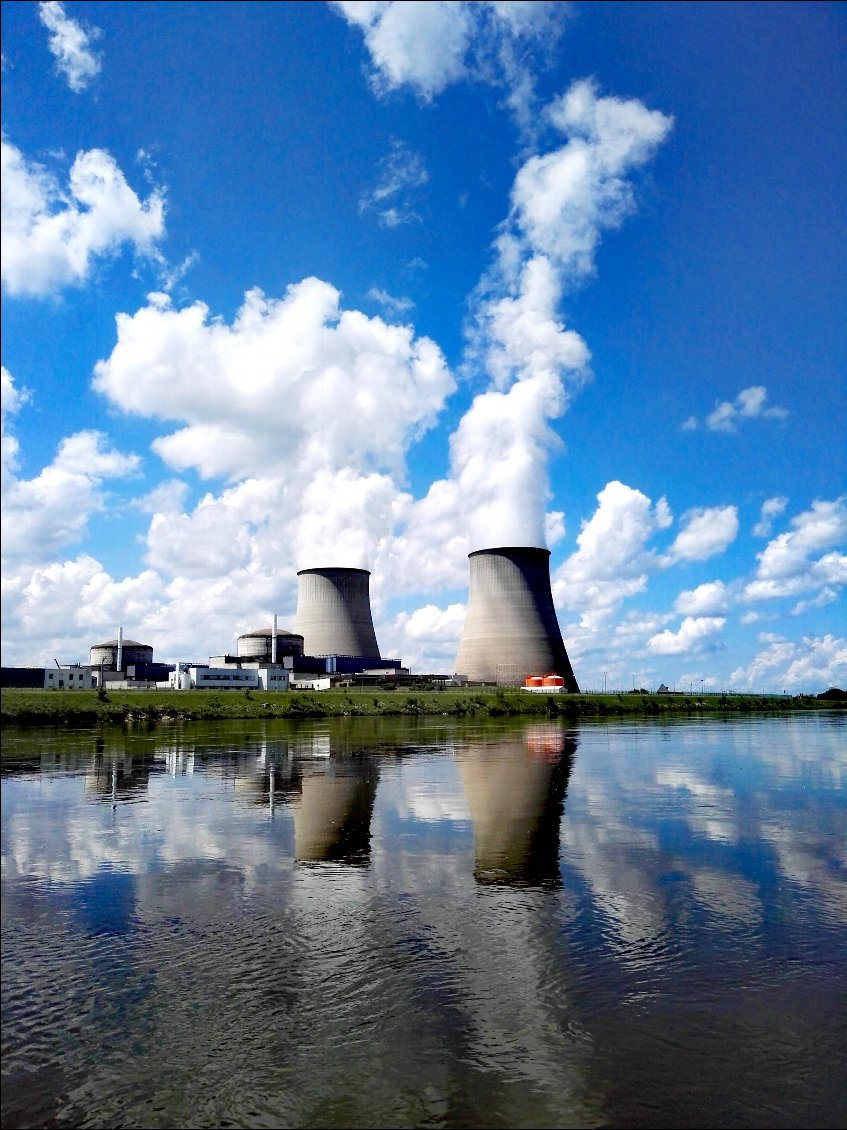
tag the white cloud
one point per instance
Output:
(401, 174)
(415, 43)
(13, 400)
(429, 45)
(771, 509)
(787, 566)
(50, 511)
(705, 532)
(694, 634)
(795, 665)
(427, 638)
(334, 401)
(396, 306)
(825, 596)
(612, 561)
(750, 404)
(52, 238)
(46, 513)
(70, 45)
(705, 599)
(823, 526)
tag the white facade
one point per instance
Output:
(311, 684)
(70, 679)
(230, 678)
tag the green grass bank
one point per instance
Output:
(86, 708)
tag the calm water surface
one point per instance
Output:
(424, 923)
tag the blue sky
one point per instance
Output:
(380, 284)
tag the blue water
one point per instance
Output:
(422, 922)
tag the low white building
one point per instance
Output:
(73, 678)
(230, 678)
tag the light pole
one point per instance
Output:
(604, 682)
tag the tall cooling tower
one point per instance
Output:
(334, 612)
(511, 629)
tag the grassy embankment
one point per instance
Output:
(85, 708)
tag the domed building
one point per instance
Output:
(258, 645)
(105, 655)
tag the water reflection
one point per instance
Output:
(515, 787)
(428, 922)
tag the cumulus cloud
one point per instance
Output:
(706, 598)
(44, 514)
(784, 664)
(612, 560)
(695, 633)
(771, 509)
(53, 237)
(333, 403)
(728, 415)
(428, 635)
(788, 566)
(705, 533)
(427, 46)
(70, 45)
(13, 400)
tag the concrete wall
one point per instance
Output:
(334, 612)
(511, 629)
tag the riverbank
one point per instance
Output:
(86, 708)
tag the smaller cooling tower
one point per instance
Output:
(334, 612)
(511, 630)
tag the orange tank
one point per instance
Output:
(553, 681)
(534, 681)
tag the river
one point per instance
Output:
(426, 922)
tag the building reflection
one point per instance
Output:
(117, 777)
(515, 787)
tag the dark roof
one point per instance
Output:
(125, 643)
(269, 632)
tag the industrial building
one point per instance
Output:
(511, 630)
(511, 637)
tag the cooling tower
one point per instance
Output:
(334, 612)
(511, 629)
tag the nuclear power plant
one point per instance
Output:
(334, 612)
(511, 637)
(511, 631)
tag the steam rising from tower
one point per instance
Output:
(511, 629)
(334, 612)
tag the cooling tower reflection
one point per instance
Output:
(515, 787)
(332, 812)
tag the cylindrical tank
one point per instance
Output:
(534, 681)
(259, 644)
(510, 627)
(106, 654)
(552, 681)
(334, 612)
